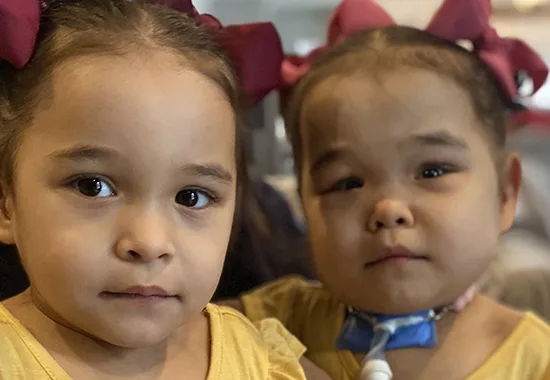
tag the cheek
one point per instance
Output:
(334, 231)
(465, 224)
(204, 251)
(57, 254)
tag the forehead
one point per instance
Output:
(383, 108)
(150, 104)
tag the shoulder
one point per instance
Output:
(513, 325)
(534, 330)
(237, 343)
(304, 307)
(21, 356)
(291, 282)
(268, 333)
(11, 331)
(231, 324)
(279, 298)
(527, 349)
(524, 346)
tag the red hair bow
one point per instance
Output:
(19, 22)
(455, 20)
(256, 49)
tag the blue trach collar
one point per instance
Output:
(405, 331)
(374, 334)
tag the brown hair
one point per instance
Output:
(382, 50)
(76, 28)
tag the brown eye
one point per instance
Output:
(93, 187)
(432, 172)
(193, 198)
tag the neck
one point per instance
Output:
(445, 325)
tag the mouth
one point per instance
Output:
(140, 292)
(397, 255)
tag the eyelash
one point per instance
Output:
(213, 199)
(72, 183)
(337, 187)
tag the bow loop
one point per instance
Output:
(352, 16)
(295, 67)
(256, 49)
(257, 52)
(184, 6)
(525, 59)
(461, 20)
(209, 21)
(19, 23)
(469, 19)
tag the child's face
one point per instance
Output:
(125, 181)
(401, 190)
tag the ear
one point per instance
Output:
(510, 185)
(6, 212)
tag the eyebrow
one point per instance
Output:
(437, 138)
(82, 153)
(327, 157)
(441, 138)
(214, 171)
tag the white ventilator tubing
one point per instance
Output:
(375, 366)
(375, 370)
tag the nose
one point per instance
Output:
(145, 238)
(390, 213)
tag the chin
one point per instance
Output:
(136, 340)
(135, 336)
(393, 308)
(391, 304)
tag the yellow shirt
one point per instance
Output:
(315, 317)
(238, 350)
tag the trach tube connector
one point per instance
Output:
(376, 369)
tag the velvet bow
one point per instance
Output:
(454, 21)
(256, 48)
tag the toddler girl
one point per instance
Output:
(118, 151)
(398, 136)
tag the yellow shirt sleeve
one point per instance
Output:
(525, 354)
(283, 350)
(283, 299)
(242, 350)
